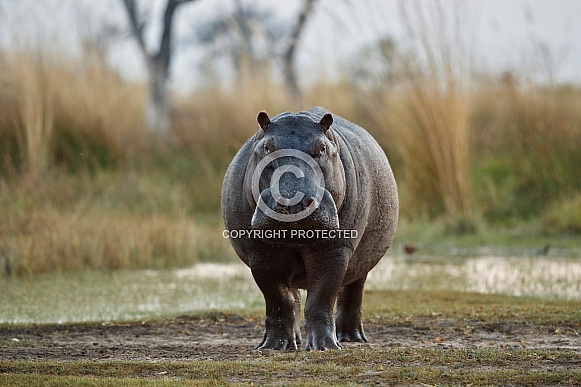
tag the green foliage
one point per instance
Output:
(526, 145)
(77, 152)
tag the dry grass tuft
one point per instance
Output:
(50, 240)
(34, 90)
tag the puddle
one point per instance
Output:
(143, 294)
(519, 276)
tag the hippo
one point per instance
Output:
(310, 202)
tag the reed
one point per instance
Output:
(34, 121)
(433, 140)
(73, 112)
(424, 112)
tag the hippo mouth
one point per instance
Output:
(302, 213)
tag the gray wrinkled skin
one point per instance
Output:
(360, 194)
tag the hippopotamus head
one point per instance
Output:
(295, 178)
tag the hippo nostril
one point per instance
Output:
(280, 208)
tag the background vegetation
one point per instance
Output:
(84, 185)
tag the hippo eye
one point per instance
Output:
(266, 150)
(323, 149)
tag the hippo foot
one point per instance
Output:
(322, 342)
(323, 345)
(279, 343)
(356, 336)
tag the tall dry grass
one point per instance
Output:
(70, 111)
(215, 122)
(424, 108)
(124, 220)
(79, 187)
(433, 146)
(34, 90)
(54, 240)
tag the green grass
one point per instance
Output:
(433, 235)
(392, 307)
(429, 366)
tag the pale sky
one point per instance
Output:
(517, 35)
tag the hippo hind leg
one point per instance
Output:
(297, 314)
(348, 319)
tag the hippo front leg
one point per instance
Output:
(325, 273)
(281, 318)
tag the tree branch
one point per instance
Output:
(289, 54)
(137, 26)
(298, 29)
(164, 53)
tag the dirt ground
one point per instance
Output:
(231, 336)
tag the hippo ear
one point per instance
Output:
(326, 122)
(263, 120)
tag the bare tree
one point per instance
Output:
(158, 110)
(253, 37)
(247, 38)
(289, 67)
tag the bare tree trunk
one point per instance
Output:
(289, 55)
(158, 115)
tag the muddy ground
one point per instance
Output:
(231, 336)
